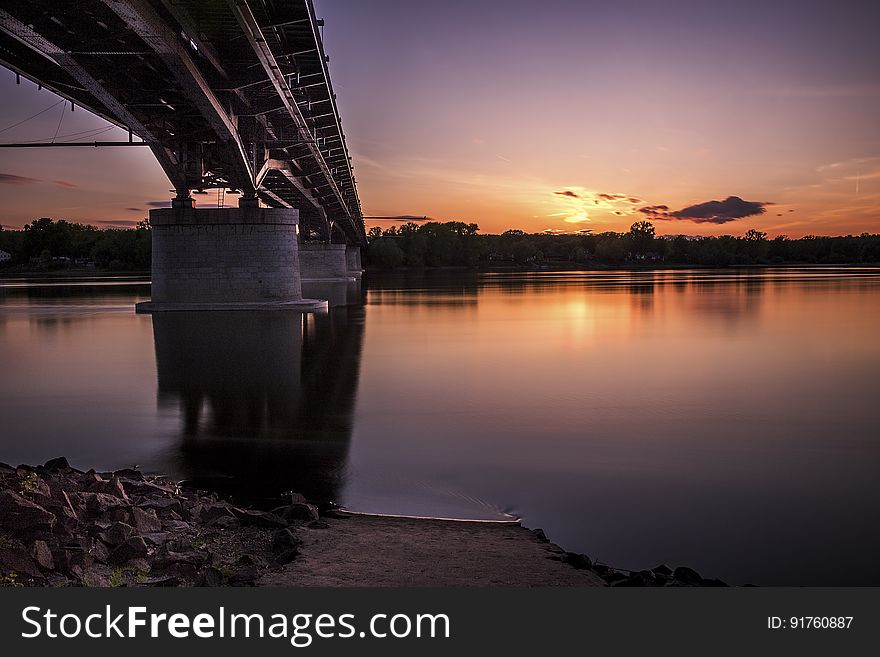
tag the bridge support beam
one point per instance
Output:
(329, 262)
(244, 258)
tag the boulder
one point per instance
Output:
(16, 560)
(662, 569)
(130, 549)
(145, 520)
(20, 515)
(687, 575)
(42, 555)
(578, 561)
(118, 533)
(57, 464)
(210, 576)
(97, 504)
(260, 518)
(302, 511)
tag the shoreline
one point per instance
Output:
(60, 526)
(549, 266)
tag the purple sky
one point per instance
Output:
(560, 115)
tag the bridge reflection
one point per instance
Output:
(265, 398)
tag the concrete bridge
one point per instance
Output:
(228, 94)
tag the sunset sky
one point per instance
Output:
(559, 115)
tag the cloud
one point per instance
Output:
(159, 204)
(122, 223)
(710, 212)
(400, 217)
(12, 179)
(134, 209)
(659, 211)
(567, 193)
(65, 183)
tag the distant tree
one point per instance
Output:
(641, 237)
(385, 254)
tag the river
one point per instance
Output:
(725, 420)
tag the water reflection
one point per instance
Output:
(265, 399)
(723, 420)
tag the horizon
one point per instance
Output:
(707, 121)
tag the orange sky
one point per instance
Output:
(550, 118)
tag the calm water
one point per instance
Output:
(727, 421)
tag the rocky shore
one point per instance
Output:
(63, 527)
(60, 526)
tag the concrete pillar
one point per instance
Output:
(323, 262)
(353, 260)
(244, 258)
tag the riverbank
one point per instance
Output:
(60, 526)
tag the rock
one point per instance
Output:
(318, 524)
(116, 488)
(98, 504)
(215, 510)
(175, 525)
(286, 556)
(16, 560)
(43, 555)
(162, 505)
(662, 569)
(156, 538)
(132, 548)
(577, 561)
(20, 515)
(540, 535)
(117, 534)
(251, 560)
(298, 511)
(162, 581)
(284, 539)
(260, 518)
(210, 576)
(225, 522)
(686, 575)
(613, 576)
(636, 579)
(145, 520)
(245, 576)
(129, 473)
(57, 464)
(193, 558)
(100, 552)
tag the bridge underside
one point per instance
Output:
(227, 93)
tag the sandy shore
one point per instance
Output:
(361, 550)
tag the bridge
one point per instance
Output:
(227, 94)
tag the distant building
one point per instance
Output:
(5, 257)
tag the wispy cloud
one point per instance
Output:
(12, 179)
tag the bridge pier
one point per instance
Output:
(329, 262)
(244, 258)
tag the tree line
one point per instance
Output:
(48, 244)
(454, 243)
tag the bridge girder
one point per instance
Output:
(224, 91)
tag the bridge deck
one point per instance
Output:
(230, 93)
